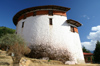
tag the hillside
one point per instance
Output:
(7, 61)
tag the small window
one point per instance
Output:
(72, 29)
(24, 16)
(22, 24)
(50, 21)
(16, 32)
(34, 13)
(51, 12)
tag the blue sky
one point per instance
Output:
(86, 12)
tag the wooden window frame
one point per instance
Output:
(50, 12)
(34, 13)
(24, 16)
(72, 29)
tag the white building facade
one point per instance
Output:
(48, 25)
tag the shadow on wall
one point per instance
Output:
(40, 51)
(65, 24)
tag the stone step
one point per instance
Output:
(4, 64)
(5, 58)
(6, 61)
(3, 53)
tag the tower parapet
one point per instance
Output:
(40, 10)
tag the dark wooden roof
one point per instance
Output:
(37, 8)
(73, 22)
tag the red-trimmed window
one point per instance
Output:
(72, 29)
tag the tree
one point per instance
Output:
(5, 30)
(14, 44)
(96, 53)
(85, 50)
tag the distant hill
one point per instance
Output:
(6, 30)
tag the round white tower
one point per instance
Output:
(48, 25)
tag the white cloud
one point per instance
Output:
(94, 35)
(96, 28)
(85, 16)
(88, 18)
(89, 45)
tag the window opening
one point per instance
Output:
(16, 32)
(51, 12)
(24, 16)
(72, 29)
(50, 21)
(22, 24)
(34, 13)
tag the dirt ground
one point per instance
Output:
(39, 62)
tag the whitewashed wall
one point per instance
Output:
(37, 30)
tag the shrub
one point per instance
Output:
(13, 43)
